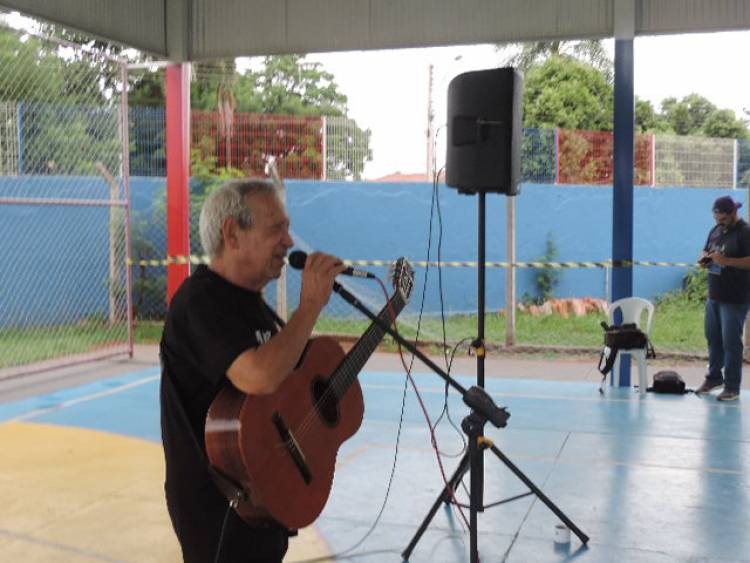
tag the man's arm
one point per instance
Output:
(742, 263)
(261, 370)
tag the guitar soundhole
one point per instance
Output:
(325, 401)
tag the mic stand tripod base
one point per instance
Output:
(483, 410)
(473, 427)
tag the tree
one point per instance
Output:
(66, 119)
(287, 84)
(723, 123)
(282, 85)
(647, 119)
(695, 115)
(567, 93)
(590, 51)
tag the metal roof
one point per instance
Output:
(181, 30)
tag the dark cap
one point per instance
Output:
(726, 204)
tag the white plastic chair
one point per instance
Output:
(632, 309)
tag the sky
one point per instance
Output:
(388, 90)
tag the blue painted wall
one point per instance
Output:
(364, 221)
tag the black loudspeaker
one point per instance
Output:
(484, 131)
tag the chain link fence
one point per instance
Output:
(63, 205)
(696, 161)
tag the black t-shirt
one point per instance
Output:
(210, 323)
(725, 283)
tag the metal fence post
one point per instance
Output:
(125, 173)
(324, 149)
(510, 276)
(557, 155)
(653, 159)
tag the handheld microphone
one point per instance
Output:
(298, 258)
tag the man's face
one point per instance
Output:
(261, 249)
(724, 219)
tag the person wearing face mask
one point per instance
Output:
(726, 255)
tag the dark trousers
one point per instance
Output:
(198, 519)
(724, 323)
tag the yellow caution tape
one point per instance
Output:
(445, 264)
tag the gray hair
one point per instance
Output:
(232, 199)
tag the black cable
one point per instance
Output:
(448, 363)
(343, 554)
(446, 410)
(221, 534)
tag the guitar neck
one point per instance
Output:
(355, 360)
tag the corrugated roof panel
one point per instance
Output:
(137, 23)
(585, 18)
(222, 28)
(684, 16)
(320, 22)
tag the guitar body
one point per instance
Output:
(245, 438)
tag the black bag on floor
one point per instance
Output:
(669, 382)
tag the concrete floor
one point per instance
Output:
(648, 478)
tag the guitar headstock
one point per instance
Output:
(402, 276)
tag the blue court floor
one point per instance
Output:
(649, 478)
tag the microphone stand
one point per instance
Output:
(483, 410)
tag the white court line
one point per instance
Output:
(85, 398)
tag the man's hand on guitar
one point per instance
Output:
(317, 279)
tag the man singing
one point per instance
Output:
(219, 331)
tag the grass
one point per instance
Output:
(678, 327)
(21, 346)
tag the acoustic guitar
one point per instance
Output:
(278, 451)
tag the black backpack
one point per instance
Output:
(626, 336)
(669, 382)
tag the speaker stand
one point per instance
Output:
(473, 427)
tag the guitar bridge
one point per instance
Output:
(292, 447)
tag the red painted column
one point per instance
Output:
(178, 174)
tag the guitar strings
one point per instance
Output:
(279, 457)
(339, 387)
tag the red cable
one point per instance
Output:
(433, 438)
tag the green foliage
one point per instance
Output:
(694, 288)
(696, 115)
(569, 89)
(686, 117)
(547, 279)
(281, 85)
(567, 93)
(589, 51)
(289, 85)
(70, 117)
(647, 119)
(722, 123)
